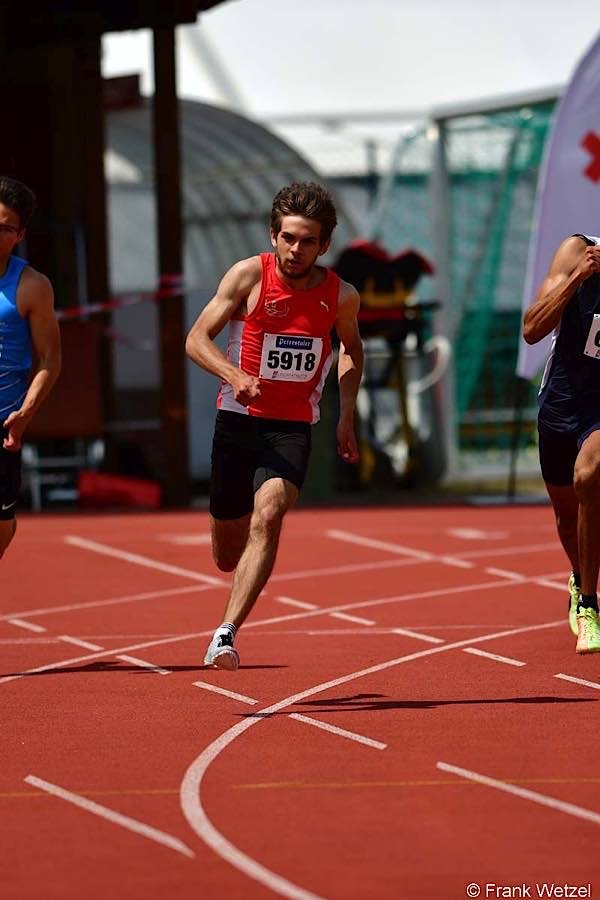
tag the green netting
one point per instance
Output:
(493, 161)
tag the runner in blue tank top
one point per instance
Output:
(28, 329)
(568, 305)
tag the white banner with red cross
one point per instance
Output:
(568, 194)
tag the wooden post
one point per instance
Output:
(170, 236)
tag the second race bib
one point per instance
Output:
(592, 345)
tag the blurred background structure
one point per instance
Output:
(156, 136)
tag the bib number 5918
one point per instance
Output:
(287, 360)
(289, 357)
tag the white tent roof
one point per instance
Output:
(328, 58)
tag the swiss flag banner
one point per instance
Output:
(568, 193)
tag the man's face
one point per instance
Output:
(10, 230)
(298, 245)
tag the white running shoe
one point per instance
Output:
(221, 653)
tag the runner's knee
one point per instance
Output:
(586, 481)
(267, 518)
(225, 560)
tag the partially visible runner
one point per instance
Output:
(568, 304)
(281, 308)
(28, 329)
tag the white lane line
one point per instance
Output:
(30, 626)
(456, 562)
(503, 573)
(35, 642)
(78, 642)
(346, 570)
(135, 661)
(192, 781)
(275, 620)
(357, 620)
(333, 729)
(591, 684)
(289, 601)
(127, 598)
(503, 659)
(205, 685)
(351, 538)
(418, 635)
(524, 793)
(509, 551)
(104, 812)
(186, 539)
(477, 534)
(138, 560)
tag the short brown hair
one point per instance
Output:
(308, 199)
(18, 197)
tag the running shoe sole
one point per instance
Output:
(227, 658)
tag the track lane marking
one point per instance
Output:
(502, 659)
(92, 604)
(191, 804)
(356, 620)
(524, 793)
(350, 537)
(582, 681)
(430, 782)
(274, 620)
(147, 831)
(87, 645)
(334, 729)
(289, 601)
(143, 664)
(30, 626)
(503, 573)
(207, 686)
(408, 632)
(137, 559)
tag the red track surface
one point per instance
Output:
(233, 798)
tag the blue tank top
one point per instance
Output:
(570, 391)
(15, 341)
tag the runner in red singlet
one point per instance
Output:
(281, 309)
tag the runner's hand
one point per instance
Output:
(347, 445)
(246, 388)
(14, 425)
(590, 261)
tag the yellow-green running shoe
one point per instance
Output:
(575, 594)
(588, 636)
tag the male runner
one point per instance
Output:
(28, 328)
(568, 304)
(280, 308)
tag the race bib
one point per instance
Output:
(289, 357)
(592, 345)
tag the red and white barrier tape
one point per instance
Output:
(169, 286)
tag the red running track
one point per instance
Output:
(409, 718)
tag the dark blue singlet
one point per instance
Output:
(569, 397)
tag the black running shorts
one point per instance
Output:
(10, 480)
(559, 449)
(246, 452)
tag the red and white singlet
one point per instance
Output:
(286, 342)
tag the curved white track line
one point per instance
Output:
(192, 780)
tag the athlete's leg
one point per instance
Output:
(587, 489)
(566, 508)
(271, 502)
(7, 532)
(229, 538)
(558, 452)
